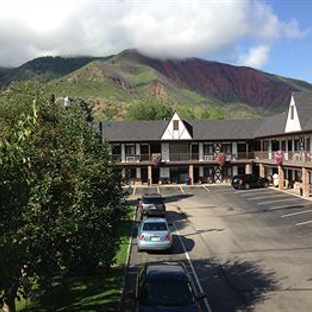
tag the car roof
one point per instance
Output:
(152, 195)
(165, 271)
(243, 175)
(154, 219)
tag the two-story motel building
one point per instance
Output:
(179, 151)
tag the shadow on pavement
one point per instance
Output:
(133, 201)
(176, 197)
(235, 285)
(230, 286)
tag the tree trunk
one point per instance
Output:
(9, 298)
(9, 305)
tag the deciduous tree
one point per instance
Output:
(59, 194)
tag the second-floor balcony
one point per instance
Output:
(208, 157)
(131, 158)
(179, 157)
(296, 157)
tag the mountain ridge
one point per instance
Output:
(127, 77)
(227, 82)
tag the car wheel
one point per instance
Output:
(265, 184)
(247, 186)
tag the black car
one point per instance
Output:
(166, 286)
(151, 205)
(247, 181)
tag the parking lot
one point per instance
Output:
(250, 250)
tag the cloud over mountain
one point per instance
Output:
(173, 28)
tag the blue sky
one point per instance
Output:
(293, 58)
(270, 35)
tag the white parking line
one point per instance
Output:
(158, 190)
(290, 206)
(205, 188)
(265, 197)
(252, 192)
(192, 268)
(276, 201)
(302, 223)
(295, 213)
(182, 189)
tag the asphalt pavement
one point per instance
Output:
(251, 250)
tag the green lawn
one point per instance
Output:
(87, 293)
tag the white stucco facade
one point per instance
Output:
(176, 130)
(293, 122)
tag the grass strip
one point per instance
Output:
(88, 293)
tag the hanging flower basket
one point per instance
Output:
(278, 158)
(221, 159)
(155, 159)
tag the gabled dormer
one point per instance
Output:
(293, 121)
(176, 129)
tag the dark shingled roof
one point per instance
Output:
(271, 126)
(139, 131)
(225, 129)
(134, 131)
(303, 101)
(212, 130)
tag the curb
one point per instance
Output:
(122, 290)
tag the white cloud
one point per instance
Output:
(256, 57)
(173, 28)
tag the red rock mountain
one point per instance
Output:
(120, 79)
(226, 83)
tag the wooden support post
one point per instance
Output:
(280, 178)
(149, 175)
(191, 175)
(305, 183)
(261, 170)
(248, 169)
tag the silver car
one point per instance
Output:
(154, 234)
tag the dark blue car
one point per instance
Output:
(166, 286)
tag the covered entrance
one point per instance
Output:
(179, 174)
(155, 175)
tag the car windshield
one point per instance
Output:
(167, 293)
(155, 226)
(153, 200)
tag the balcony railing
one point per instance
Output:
(116, 158)
(297, 156)
(137, 158)
(183, 157)
(179, 156)
(129, 158)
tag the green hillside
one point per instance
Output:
(112, 86)
(116, 85)
(43, 69)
